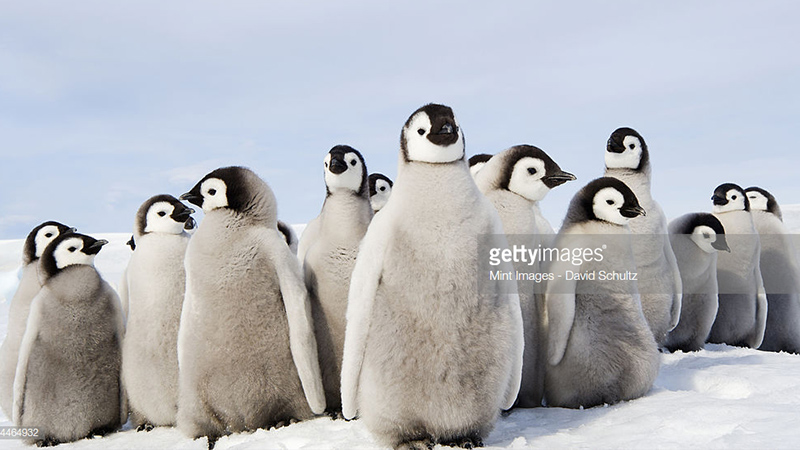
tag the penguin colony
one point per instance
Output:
(375, 312)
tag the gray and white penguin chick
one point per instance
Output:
(380, 188)
(67, 382)
(154, 286)
(330, 245)
(476, 163)
(514, 181)
(600, 349)
(742, 313)
(781, 272)
(696, 238)
(627, 158)
(29, 286)
(246, 348)
(429, 358)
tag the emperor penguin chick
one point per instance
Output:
(246, 348)
(696, 238)
(380, 188)
(628, 159)
(67, 380)
(29, 286)
(330, 245)
(514, 181)
(742, 313)
(600, 349)
(781, 272)
(476, 163)
(428, 357)
(154, 283)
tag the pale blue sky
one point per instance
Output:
(103, 104)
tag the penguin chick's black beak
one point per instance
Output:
(338, 165)
(193, 198)
(632, 211)
(614, 146)
(190, 223)
(559, 178)
(443, 132)
(131, 244)
(183, 215)
(721, 244)
(719, 201)
(95, 247)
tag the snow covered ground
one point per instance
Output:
(721, 397)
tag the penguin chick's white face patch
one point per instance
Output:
(735, 202)
(159, 219)
(628, 159)
(704, 236)
(420, 148)
(526, 179)
(757, 201)
(43, 237)
(606, 205)
(350, 179)
(69, 252)
(382, 192)
(215, 194)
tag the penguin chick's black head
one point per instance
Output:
(341, 159)
(772, 203)
(68, 250)
(436, 125)
(373, 178)
(710, 221)
(582, 207)
(625, 143)
(553, 175)
(721, 196)
(479, 159)
(180, 213)
(40, 237)
(237, 189)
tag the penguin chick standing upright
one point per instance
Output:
(330, 245)
(514, 180)
(696, 239)
(600, 349)
(67, 381)
(428, 357)
(628, 159)
(742, 313)
(155, 283)
(246, 348)
(29, 286)
(380, 188)
(781, 272)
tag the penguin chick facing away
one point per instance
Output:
(696, 238)
(476, 163)
(67, 380)
(781, 272)
(380, 188)
(428, 358)
(154, 283)
(600, 349)
(514, 181)
(20, 306)
(330, 245)
(627, 158)
(742, 313)
(246, 348)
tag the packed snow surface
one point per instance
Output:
(721, 397)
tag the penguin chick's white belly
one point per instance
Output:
(438, 356)
(236, 368)
(156, 286)
(738, 283)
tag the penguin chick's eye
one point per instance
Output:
(383, 188)
(421, 131)
(72, 249)
(706, 235)
(212, 192)
(162, 214)
(610, 202)
(48, 235)
(532, 170)
(632, 146)
(326, 165)
(353, 162)
(733, 198)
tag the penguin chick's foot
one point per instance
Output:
(47, 442)
(148, 427)
(464, 442)
(421, 444)
(335, 414)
